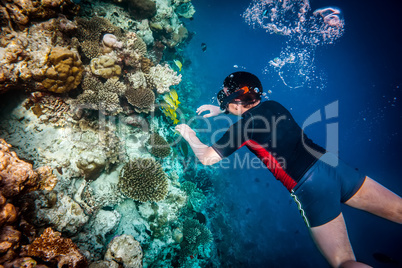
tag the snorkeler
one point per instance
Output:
(318, 183)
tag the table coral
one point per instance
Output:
(50, 246)
(142, 99)
(143, 180)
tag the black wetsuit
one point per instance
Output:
(272, 134)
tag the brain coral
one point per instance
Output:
(105, 66)
(143, 180)
(64, 72)
(142, 99)
(158, 146)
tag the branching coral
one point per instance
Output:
(195, 234)
(158, 146)
(143, 180)
(50, 246)
(99, 96)
(142, 99)
(162, 77)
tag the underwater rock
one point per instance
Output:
(30, 61)
(65, 215)
(141, 9)
(91, 164)
(50, 246)
(126, 250)
(104, 264)
(92, 238)
(20, 13)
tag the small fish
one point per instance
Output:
(381, 257)
(174, 96)
(169, 101)
(265, 13)
(203, 47)
(178, 64)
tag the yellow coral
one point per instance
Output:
(64, 72)
(105, 66)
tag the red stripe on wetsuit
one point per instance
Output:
(272, 164)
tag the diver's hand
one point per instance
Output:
(186, 131)
(213, 110)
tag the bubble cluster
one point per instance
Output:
(305, 31)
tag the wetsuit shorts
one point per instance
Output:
(322, 189)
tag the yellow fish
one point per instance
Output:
(169, 101)
(174, 96)
(178, 64)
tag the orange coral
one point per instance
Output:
(65, 71)
(50, 246)
(17, 176)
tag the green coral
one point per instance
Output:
(158, 146)
(143, 180)
(195, 234)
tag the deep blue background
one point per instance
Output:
(363, 72)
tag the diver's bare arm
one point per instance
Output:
(206, 155)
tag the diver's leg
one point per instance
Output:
(375, 198)
(333, 242)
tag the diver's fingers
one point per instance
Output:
(208, 115)
(203, 108)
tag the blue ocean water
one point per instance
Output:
(361, 72)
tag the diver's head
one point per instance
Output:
(240, 88)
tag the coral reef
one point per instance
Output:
(141, 9)
(143, 180)
(64, 72)
(90, 31)
(105, 66)
(158, 146)
(109, 42)
(126, 250)
(101, 96)
(142, 99)
(162, 78)
(51, 247)
(59, 211)
(29, 60)
(20, 13)
(18, 177)
(195, 234)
